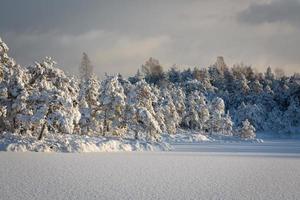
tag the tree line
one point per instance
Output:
(41, 99)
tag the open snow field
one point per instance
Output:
(269, 170)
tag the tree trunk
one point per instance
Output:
(44, 125)
(105, 124)
(136, 135)
(42, 131)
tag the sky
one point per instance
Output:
(119, 36)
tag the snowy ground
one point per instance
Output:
(269, 170)
(83, 143)
(76, 144)
(284, 147)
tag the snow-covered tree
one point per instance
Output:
(217, 110)
(247, 131)
(269, 75)
(89, 106)
(243, 85)
(4, 81)
(216, 72)
(202, 111)
(171, 117)
(253, 112)
(112, 100)
(227, 125)
(291, 116)
(178, 97)
(191, 119)
(149, 123)
(197, 113)
(140, 112)
(52, 99)
(174, 75)
(257, 87)
(13, 83)
(158, 102)
(137, 77)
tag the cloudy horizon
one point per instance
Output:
(119, 36)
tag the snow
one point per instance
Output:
(76, 144)
(269, 147)
(156, 175)
(84, 143)
(183, 136)
(199, 167)
(186, 138)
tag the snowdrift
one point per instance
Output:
(76, 144)
(195, 137)
(67, 143)
(184, 136)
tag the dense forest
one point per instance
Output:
(218, 100)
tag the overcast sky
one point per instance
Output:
(120, 35)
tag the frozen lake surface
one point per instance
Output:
(269, 170)
(274, 147)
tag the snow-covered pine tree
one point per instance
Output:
(253, 112)
(291, 116)
(247, 131)
(174, 75)
(197, 113)
(158, 99)
(14, 79)
(206, 83)
(227, 125)
(203, 111)
(178, 97)
(256, 87)
(140, 107)
(112, 100)
(269, 76)
(217, 111)
(243, 85)
(171, 116)
(89, 106)
(136, 78)
(216, 72)
(130, 113)
(52, 99)
(149, 123)
(4, 81)
(190, 119)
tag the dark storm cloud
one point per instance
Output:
(287, 11)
